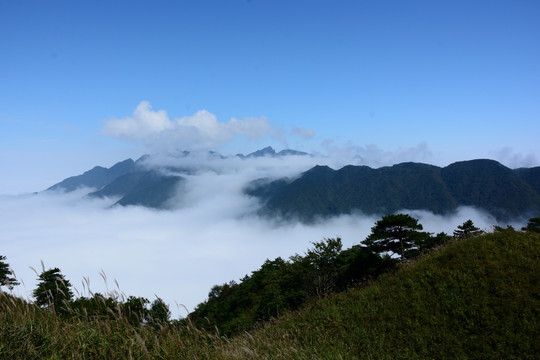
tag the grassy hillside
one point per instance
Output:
(477, 298)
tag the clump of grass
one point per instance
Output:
(30, 332)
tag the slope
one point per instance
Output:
(153, 189)
(475, 299)
(323, 192)
(96, 178)
(491, 186)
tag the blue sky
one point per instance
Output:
(432, 81)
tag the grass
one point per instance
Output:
(474, 299)
(477, 298)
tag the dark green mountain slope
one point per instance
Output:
(531, 176)
(321, 191)
(153, 190)
(133, 183)
(491, 186)
(121, 185)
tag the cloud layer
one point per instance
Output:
(212, 238)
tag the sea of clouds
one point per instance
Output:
(212, 235)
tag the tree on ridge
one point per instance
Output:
(466, 230)
(53, 291)
(533, 225)
(6, 274)
(395, 233)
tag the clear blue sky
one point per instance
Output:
(440, 81)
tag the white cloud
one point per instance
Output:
(142, 123)
(201, 130)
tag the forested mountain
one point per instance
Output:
(143, 183)
(146, 188)
(322, 191)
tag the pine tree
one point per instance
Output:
(467, 229)
(533, 225)
(53, 291)
(6, 274)
(396, 233)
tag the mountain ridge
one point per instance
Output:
(323, 192)
(137, 183)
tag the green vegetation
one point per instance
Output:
(53, 291)
(467, 229)
(395, 233)
(533, 225)
(6, 274)
(323, 192)
(280, 286)
(476, 297)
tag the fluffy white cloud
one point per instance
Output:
(201, 130)
(142, 123)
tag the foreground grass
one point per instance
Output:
(474, 299)
(27, 332)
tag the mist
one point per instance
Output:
(211, 236)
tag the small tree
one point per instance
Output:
(322, 259)
(431, 242)
(135, 309)
(159, 311)
(467, 229)
(53, 291)
(509, 228)
(6, 274)
(396, 233)
(533, 225)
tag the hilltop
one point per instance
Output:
(477, 298)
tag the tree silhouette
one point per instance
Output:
(322, 259)
(533, 225)
(396, 233)
(53, 291)
(159, 311)
(467, 229)
(6, 274)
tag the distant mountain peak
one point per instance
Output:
(267, 151)
(270, 152)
